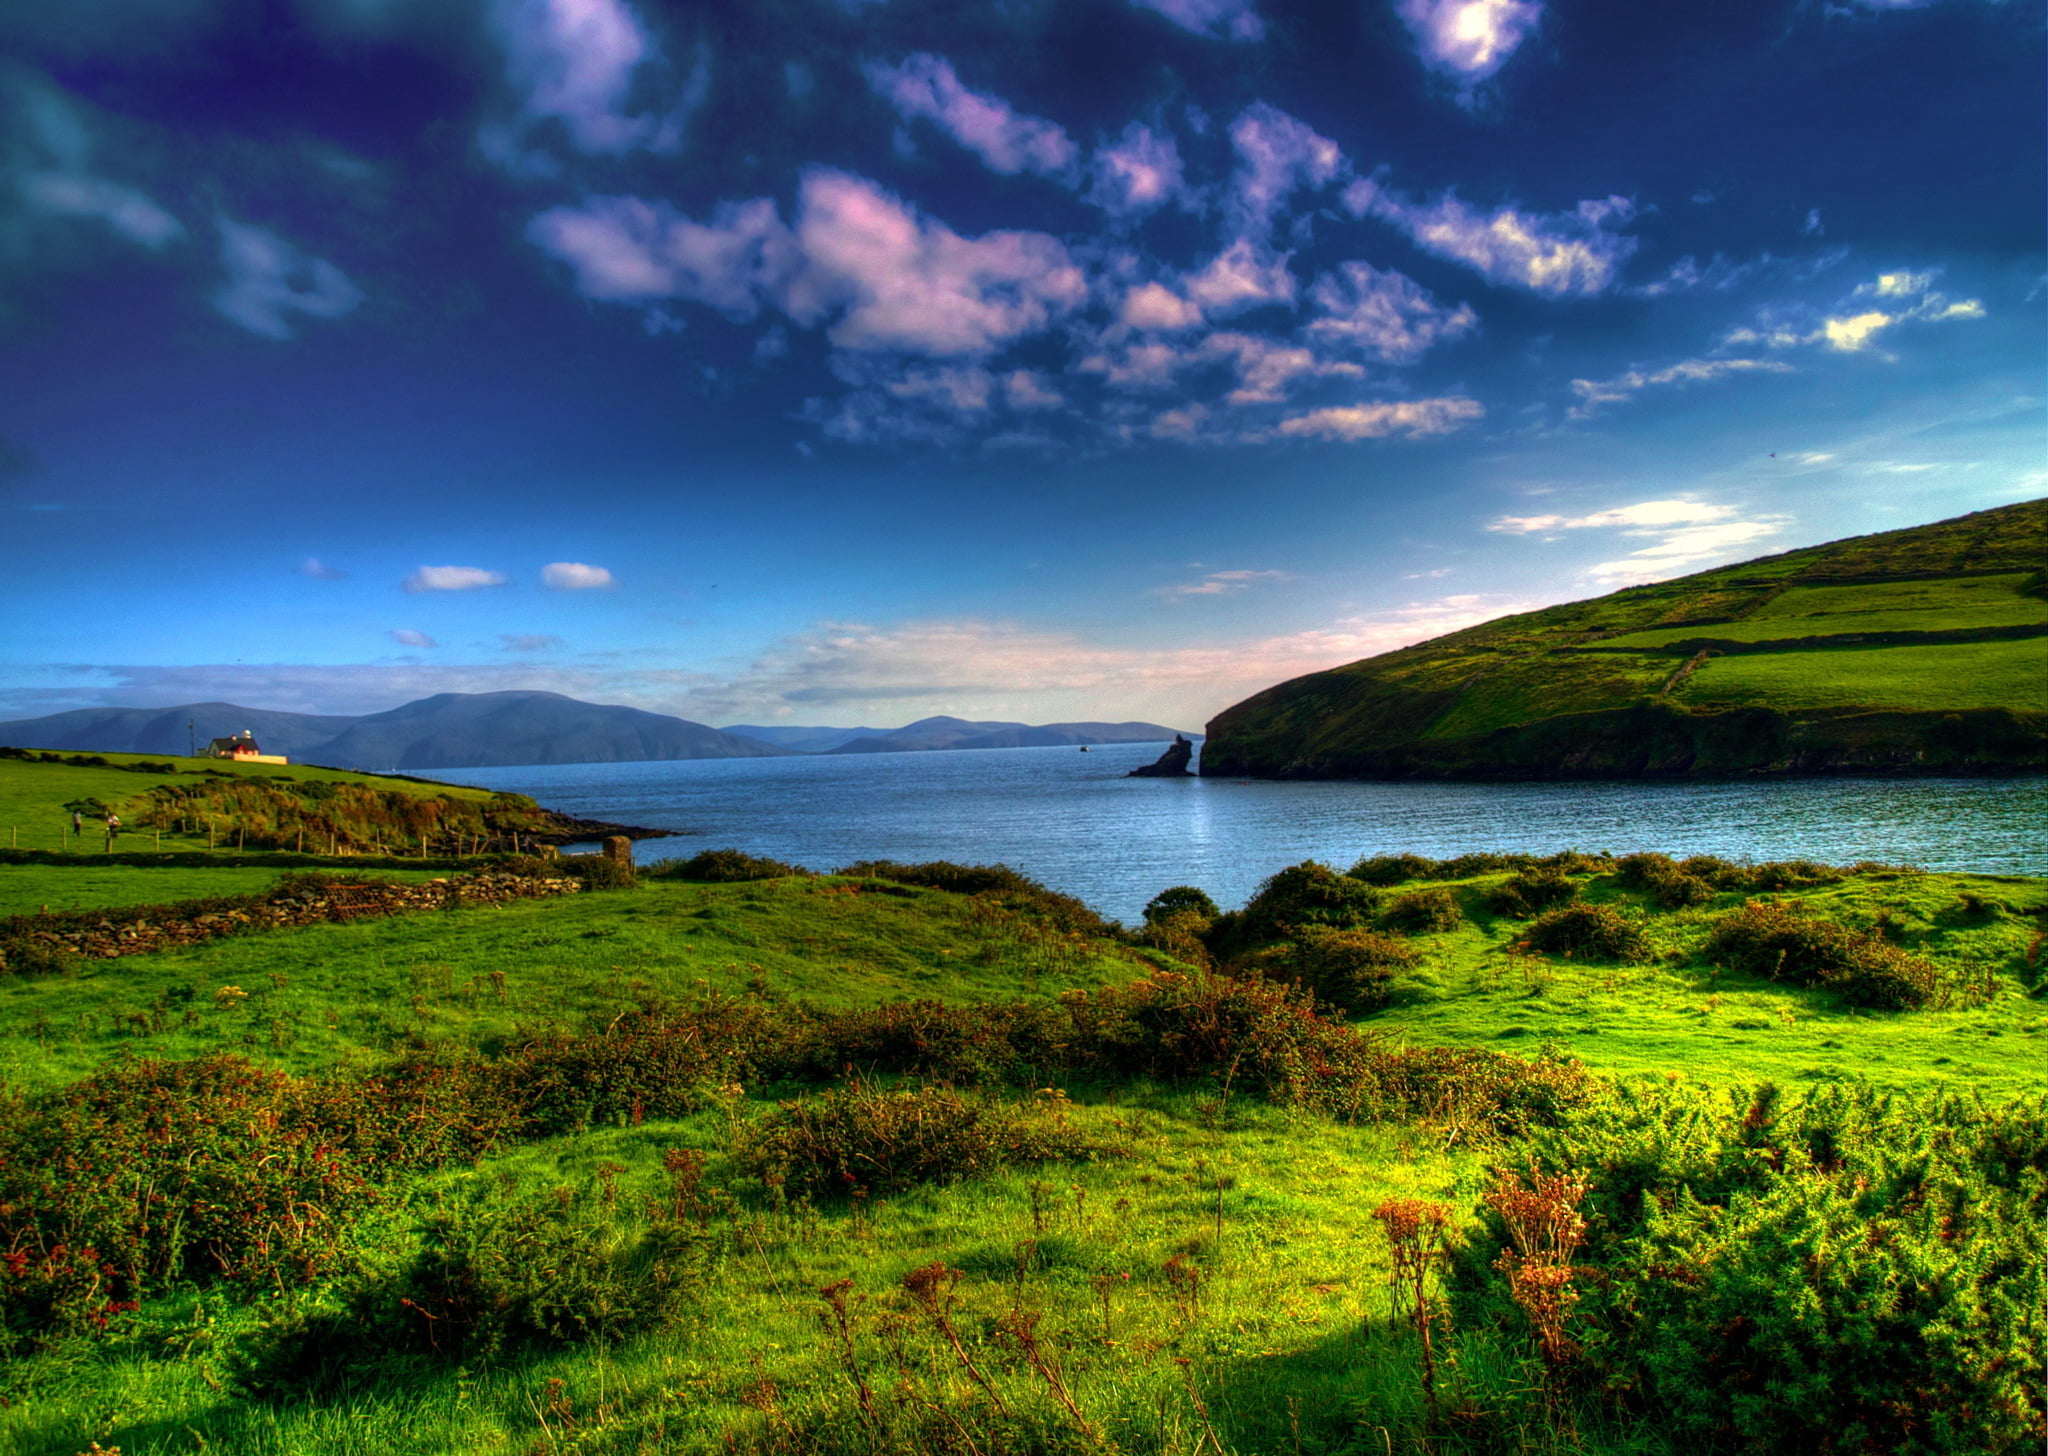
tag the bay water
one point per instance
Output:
(1075, 822)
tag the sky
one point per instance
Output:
(849, 361)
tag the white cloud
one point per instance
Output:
(1242, 276)
(410, 637)
(913, 284)
(573, 62)
(925, 86)
(1028, 390)
(1681, 531)
(1414, 418)
(572, 576)
(128, 212)
(1137, 366)
(626, 250)
(451, 578)
(1267, 369)
(1853, 326)
(895, 280)
(1276, 155)
(1222, 19)
(1386, 316)
(1139, 172)
(1593, 394)
(1469, 38)
(319, 570)
(269, 279)
(1157, 308)
(528, 641)
(1221, 583)
(1560, 254)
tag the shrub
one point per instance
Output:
(1352, 970)
(1009, 888)
(867, 1137)
(1424, 912)
(600, 872)
(1599, 932)
(1298, 898)
(1392, 869)
(725, 867)
(1764, 938)
(1524, 894)
(1847, 1271)
(1178, 903)
(555, 1269)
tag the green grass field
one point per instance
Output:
(1955, 676)
(1956, 604)
(1205, 1277)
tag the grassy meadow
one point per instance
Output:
(1483, 1155)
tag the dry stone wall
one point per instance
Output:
(32, 940)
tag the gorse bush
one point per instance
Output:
(1843, 1271)
(879, 1139)
(1663, 880)
(1532, 890)
(1301, 897)
(1000, 884)
(1352, 970)
(724, 867)
(1392, 869)
(1423, 912)
(1597, 932)
(1178, 902)
(1765, 938)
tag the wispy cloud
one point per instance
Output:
(1221, 583)
(1596, 394)
(574, 576)
(1276, 155)
(1681, 531)
(1414, 418)
(528, 641)
(1560, 254)
(1236, 20)
(1386, 316)
(268, 280)
(574, 63)
(319, 570)
(1139, 171)
(924, 86)
(411, 637)
(451, 578)
(1854, 324)
(59, 179)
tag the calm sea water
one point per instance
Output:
(1073, 821)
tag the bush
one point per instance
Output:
(1847, 1271)
(1178, 903)
(725, 867)
(879, 1140)
(600, 872)
(1352, 970)
(1424, 912)
(550, 1270)
(1764, 938)
(1524, 894)
(1301, 897)
(1009, 888)
(1598, 932)
(1392, 869)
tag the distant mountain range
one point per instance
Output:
(489, 730)
(928, 734)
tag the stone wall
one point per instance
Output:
(138, 929)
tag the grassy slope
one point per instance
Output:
(1290, 1345)
(32, 795)
(1429, 709)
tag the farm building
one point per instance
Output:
(242, 749)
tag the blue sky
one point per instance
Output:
(822, 361)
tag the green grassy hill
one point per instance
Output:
(1920, 650)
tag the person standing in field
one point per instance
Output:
(113, 827)
(77, 823)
